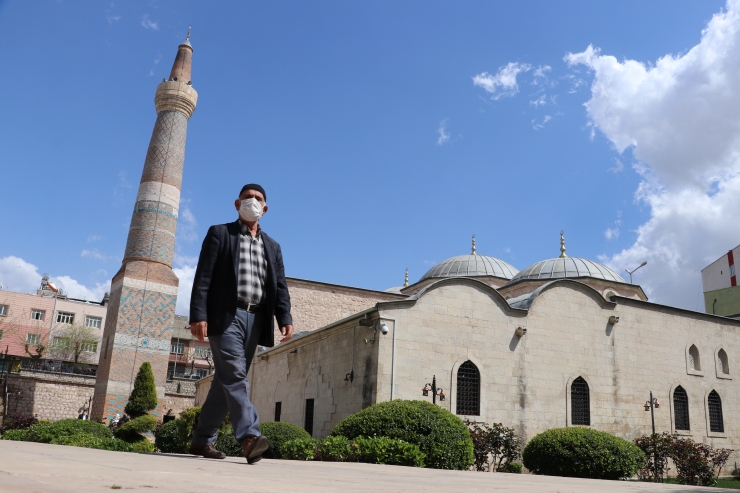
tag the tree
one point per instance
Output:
(73, 342)
(143, 397)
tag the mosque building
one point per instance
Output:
(564, 342)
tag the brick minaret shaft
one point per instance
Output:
(141, 311)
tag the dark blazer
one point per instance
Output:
(214, 288)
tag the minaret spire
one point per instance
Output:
(473, 252)
(143, 295)
(406, 281)
(562, 245)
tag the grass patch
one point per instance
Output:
(729, 483)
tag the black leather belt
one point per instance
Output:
(250, 307)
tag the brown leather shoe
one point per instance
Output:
(207, 451)
(253, 448)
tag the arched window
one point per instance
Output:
(468, 390)
(580, 410)
(714, 403)
(724, 364)
(694, 361)
(681, 409)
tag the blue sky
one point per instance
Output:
(385, 134)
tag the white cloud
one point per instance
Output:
(156, 62)
(678, 117)
(113, 18)
(541, 72)
(186, 273)
(541, 124)
(618, 166)
(147, 23)
(186, 224)
(443, 137)
(94, 253)
(504, 83)
(93, 238)
(540, 101)
(18, 275)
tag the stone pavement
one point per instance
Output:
(34, 467)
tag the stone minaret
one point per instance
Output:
(141, 310)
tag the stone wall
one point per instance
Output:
(187, 386)
(51, 396)
(176, 402)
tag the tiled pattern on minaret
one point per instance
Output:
(143, 295)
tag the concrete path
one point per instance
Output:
(33, 467)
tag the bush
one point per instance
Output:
(440, 435)
(143, 397)
(226, 442)
(17, 435)
(494, 446)
(337, 449)
(512, 467)
(141, 444)
(657, 449)
(168, 441)
(696, 463)
(582, 453)
(278, 433)
(383, 450)
(45, 432)
(132, 429)
(18, 421)
(87, 440)
(186, 423)
(299, 449)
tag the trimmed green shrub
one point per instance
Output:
(278, 433)
(141, 444)
(131, 429)
(512, 467)
(383, 450)
(440, 435)
(226, 442)
(143, 397)
(186, 423)
(299, 449)
(582, 453)
(17, 435)
(87, 440)
(45, 432)
(168, 441)
(337, 449)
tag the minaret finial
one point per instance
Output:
(406, 281)
(187, 38)
(562, 245)
(473, 252)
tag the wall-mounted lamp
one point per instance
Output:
(613, 320)
(349, 377)
(383, 328)
(264, 357)
(294, 351)
(520, 331)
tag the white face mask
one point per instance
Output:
(250, 210)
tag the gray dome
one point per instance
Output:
(563, 267)
(471, 266)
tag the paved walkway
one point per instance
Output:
(33, 467)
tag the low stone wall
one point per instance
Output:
(48, 395)
(187, 386)
(177, 402)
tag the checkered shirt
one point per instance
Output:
(252, 266)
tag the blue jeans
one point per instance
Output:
(232, 355)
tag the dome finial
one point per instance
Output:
(473, 252)
(187, 38)
(562, 245)
(406, 281)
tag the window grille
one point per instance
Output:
(694, 362)
(724, 366)
(202, 352)
(308, 425)
(65, 318)
(278, 410)
(580, 412)
(681, 409)
(93, 322)
(90, 347)
(37, 314)
(33, 339)
(177, 348)
(716, 423)
(468, 390)
(3, 310)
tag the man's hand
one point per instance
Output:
(200, 330)
(287, 331)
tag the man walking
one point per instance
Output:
(238, 291)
